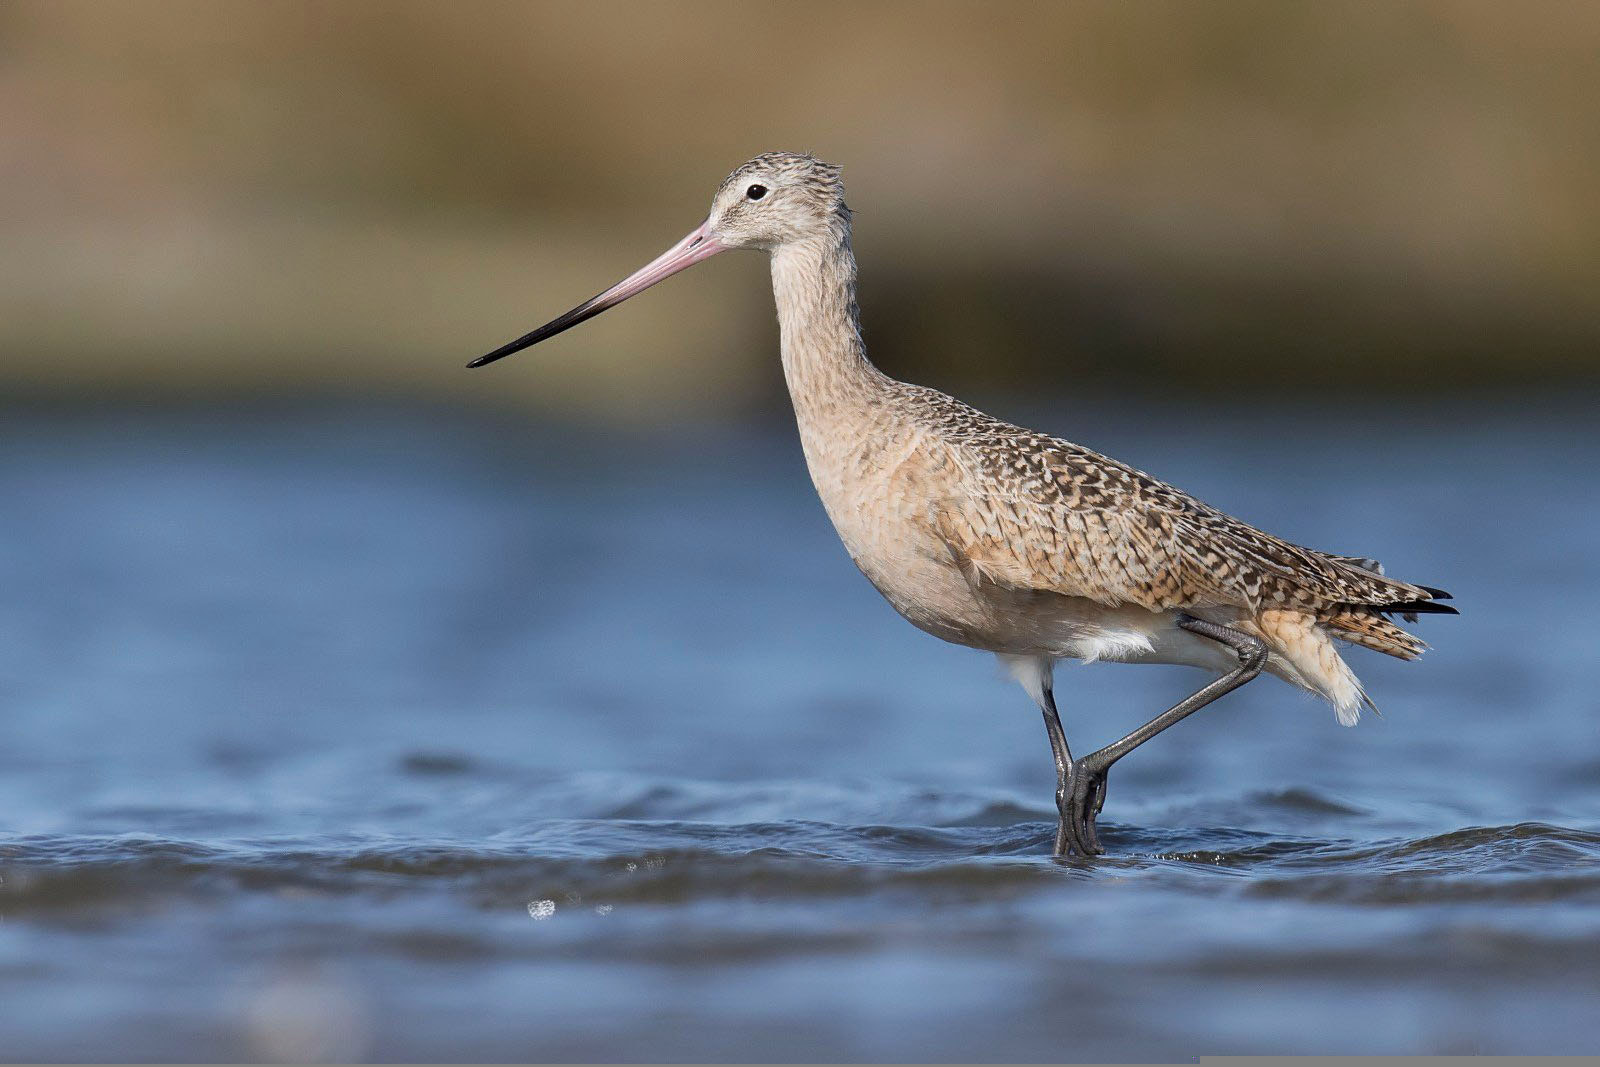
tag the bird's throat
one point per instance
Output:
(824, 360)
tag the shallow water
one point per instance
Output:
(370, 733)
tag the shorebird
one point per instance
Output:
(1014, 542)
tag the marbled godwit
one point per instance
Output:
(1033, 548)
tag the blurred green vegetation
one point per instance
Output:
(268, 198)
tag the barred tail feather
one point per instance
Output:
(1365, 627)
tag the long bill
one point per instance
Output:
(699, 244)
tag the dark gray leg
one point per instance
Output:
(1063, 755)
(1085, 782)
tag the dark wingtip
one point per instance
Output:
(1437, 594)
(1418, 607)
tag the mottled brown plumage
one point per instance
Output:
(1094, 527)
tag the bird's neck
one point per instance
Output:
(824, 361)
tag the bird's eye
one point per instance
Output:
(756, 192)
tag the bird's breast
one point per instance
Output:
(882, 492)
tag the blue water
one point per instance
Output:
(365, 732)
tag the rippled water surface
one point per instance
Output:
(397, 734)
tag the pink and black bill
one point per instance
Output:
(698, 245)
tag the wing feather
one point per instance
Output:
(1114, 534)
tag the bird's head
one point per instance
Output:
(776, 199)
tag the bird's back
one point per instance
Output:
(1089, 525)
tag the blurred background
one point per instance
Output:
(247, 199)
(354, 705)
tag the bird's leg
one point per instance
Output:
(1085, 783)
(1063, 755)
